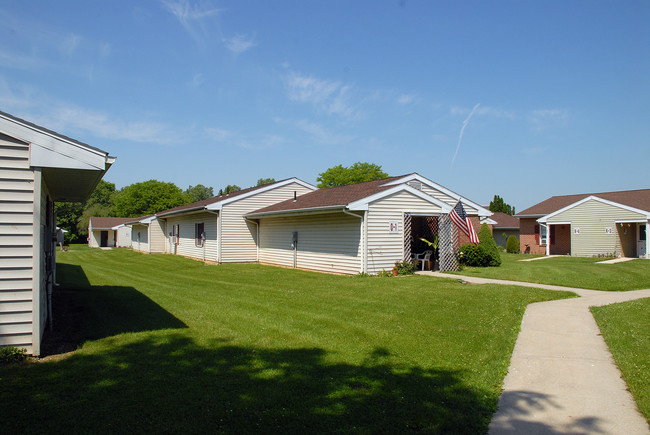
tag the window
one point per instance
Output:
(642, 232)
(199, 234)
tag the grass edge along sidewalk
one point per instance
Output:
(626, 329)
(577, 272)
(172, 344)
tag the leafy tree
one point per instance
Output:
(357, 173)
(499, 205)
(147, 197)
(265, 181)
(74, 216)
(229, 189)
(198, 193)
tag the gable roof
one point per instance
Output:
(504, 220)
(71, 169)
(217, 202)
(103, 223)
(353, 196)
(639, 199)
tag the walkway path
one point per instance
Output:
(562, 377)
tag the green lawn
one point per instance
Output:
(626, 329)
(173, 345)
(569, 271)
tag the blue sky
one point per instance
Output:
(518, 98)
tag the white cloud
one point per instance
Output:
(329, 96)
(407, 99)
(543, 119)
(249, 142)
(239, 43)
(317, 133)
(192, 16)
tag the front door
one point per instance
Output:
(641, 242)
(103, 239)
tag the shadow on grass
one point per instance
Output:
(166, 382)
(84, 312)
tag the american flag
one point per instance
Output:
(462, 221)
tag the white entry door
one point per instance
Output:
(641, 242)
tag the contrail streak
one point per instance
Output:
(462, 130)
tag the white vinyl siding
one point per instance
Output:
(124, 236)
(140, 237)
(16, 245)
(385, 248)
(327, 242)
(186, 242)
(238, 236)
(592, 217)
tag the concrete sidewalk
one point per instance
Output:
(562, 377)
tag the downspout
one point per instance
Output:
(257, 238)
(363, 241)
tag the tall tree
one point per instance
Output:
(265, 181)
(147, 197)
(198, 193)
(499, 205)
(357, 173)
(229, 189)
(100, 203)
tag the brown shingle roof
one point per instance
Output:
(205, 202)
(331, 197)
(504, 220)
(102, 223)
(632, 198)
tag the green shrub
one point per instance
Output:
(384, 273)
(478, 256)
(486, 238)
(405, 267)
(512, 245)
(11, 354)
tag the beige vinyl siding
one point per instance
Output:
(94, 238)
(592, 217)
(447, 199)
(385, 248)
(238, 236)
(16, 244)
(140, 237)
(327, 242)
(187, 243)
(158, 242)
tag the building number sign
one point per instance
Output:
(608, 230)
(393, 227)
(576, 231)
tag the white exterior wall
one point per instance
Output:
(327, 242)
(592, 217)
(187, 244)
(124, 236)
(385, 248)
(158, 237)
(140, 237)
(238, 236)
(94, 238)
(18, 277)
(447, 199)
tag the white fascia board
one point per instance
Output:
(295, 212)
(555, 223)
(219, 204)
(362, 204)
(489, 221)
(527, 216)
(184, 211)
(482, 211)
(543, 219)
(631, 221)
(41, 141)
